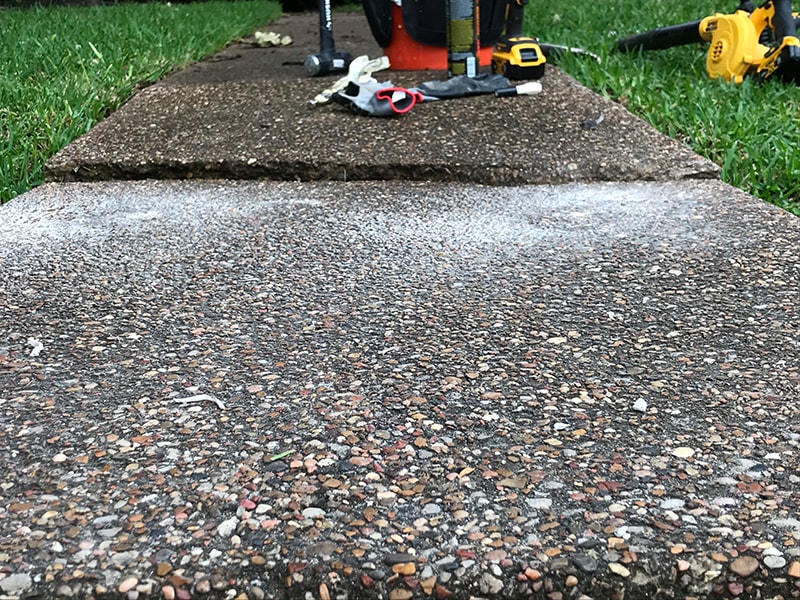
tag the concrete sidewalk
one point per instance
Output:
(415, 385)
(246, 115)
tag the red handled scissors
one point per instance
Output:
(400, 99)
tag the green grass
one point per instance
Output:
(750, 130)
(64, 69)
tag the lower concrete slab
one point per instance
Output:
(273, 389)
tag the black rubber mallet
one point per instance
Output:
(328, 61)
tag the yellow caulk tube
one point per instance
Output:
(462, 37)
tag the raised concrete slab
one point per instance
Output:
(245, 114)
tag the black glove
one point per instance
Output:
(460, 86)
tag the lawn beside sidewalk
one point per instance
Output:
(65, 68)
(750, 130)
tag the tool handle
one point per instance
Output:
(526, 89)
(515, 13)
(783, 21)
(662, 38)
(326, 43)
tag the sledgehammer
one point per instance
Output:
(328, 61)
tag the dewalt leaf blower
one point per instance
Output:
(758, 42)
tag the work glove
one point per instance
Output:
(377, 99)
(461, 86)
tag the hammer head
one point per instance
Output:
(327, 63)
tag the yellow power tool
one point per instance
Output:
(517, 56)
(753, 41)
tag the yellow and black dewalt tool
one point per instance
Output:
(754, 41)
(522, 57)
(517, 56)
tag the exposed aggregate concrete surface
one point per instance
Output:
(244, 114)
(278, 390)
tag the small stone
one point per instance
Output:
(774, 562)
(255, 593)
(585, 563)
(203, 586)
(65, 591)
(183, 594)
(19, 582)
(109, 532)
(431, 509)
(640, 405)
(323, 548)
(794, 569)
(178, 580)
(59, 458)
(400, 594)
(227, 527)
(711, 575)
(683, 452)
(540, 503)
(719, 557)
(532, 574)
(324, 594)
(442, 593)
(127, 585)
(744, 566)
(407, 568)
(735, 588)
(571, 581)
(683, 565)
(163, 568)
(276, 466)
(619, 569)
(787, 523)
(398, 557)
(427, 585)
(386, 497)
(490, 584)
(218, 582)
(168, 592)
